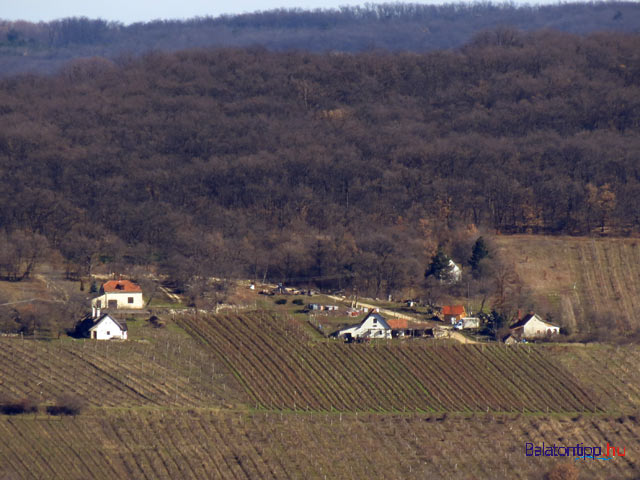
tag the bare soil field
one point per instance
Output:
(170, 444)
(587, 284)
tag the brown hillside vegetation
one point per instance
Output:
(225, 163)
(182, 444)
(281, 369)
(591, 285)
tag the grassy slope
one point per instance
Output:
(585, 283)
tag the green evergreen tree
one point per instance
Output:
(439, 267)
(479, 252)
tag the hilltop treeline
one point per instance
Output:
(338, 169)
(43, 47)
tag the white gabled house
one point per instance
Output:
(106, 327)
(119, 294)
(532, 326)
(374, 325)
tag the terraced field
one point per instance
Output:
(165, 369)
(170, 444)
(280, 369)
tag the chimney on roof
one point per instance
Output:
(93, 312)
(97, 312)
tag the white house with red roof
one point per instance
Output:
(119, 294)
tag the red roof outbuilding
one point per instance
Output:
(398, 323)
(453, 310)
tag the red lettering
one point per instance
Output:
(612, 449)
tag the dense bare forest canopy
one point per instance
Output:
(331, 168)
(45, 46)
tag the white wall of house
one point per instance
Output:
(369, 328)
(536, 327)
(107, 329)
(123, 300)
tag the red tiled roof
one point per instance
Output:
(121, 286)
(398, 323)
(453, 310)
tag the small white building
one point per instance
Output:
(106, 327)
(374, 325)
(510, 340)
(532, 326)
(455, 272)
(119, 294)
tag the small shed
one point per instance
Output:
(510, 340)
(398, 323)
(106, 327)
(453, 313)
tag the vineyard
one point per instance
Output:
(170, 444)
(589, 284)
(164, 369)
(612, 372)
(281, 369)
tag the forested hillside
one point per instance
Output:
(348, 169)
(44, 47)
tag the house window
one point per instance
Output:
(108, 332)
(130, 299)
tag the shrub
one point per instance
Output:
(66, 405)
(281, 301)
(156, 322)
(26, 405)
(298, 301)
